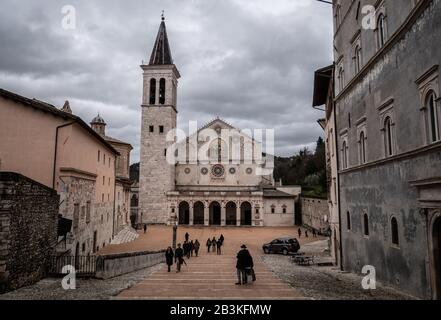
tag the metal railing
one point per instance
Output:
(85, 266)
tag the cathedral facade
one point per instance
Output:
(218, 176)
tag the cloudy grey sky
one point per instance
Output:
(250, 62)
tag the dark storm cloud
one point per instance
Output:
(248, 62)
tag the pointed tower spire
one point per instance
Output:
(161, 54)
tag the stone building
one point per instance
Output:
(122, 182)
(324, 96)
(387, 105)
(28, 230)
(59, 150)
(204, 179)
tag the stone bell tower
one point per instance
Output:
(159, 116)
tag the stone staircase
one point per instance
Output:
(127, 234)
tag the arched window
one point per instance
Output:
(366, 224)
(341, 78)
(348, 220)
(433, 117)
(388, 137)
(381, 30)
(357, 58)
(394, 231)
(344, 152)
(362, 148)
(162, 91)
(152, 91)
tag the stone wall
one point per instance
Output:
(110, 266)
(28, 230)
(315, 213)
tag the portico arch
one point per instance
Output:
(198, 213)
(184, 213)
(231, 217)
(245, 214)
(215, 213)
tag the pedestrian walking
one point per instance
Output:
(169, 255)
(222, 239)
(187, 236)
(219, 245)
(197, 245)
(208, 244)
(244, 264)
(145, 228)
(187, 249)
(306, 233)
(214, 244)
(300, 232)
(179, 258)
(191, 248)
(314, 234)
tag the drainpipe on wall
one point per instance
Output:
(56, 149)
(337, 154)
(114, 197)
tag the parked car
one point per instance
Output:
(282, 245)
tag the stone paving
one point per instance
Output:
(212, 276)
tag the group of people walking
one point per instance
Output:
(314, 233)
(215, 244)
(190, 248)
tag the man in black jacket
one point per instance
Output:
(179, 258)
(244, 262)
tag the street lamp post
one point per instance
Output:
(175, 231)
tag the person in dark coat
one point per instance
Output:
(244, 262)
(187, 236)
(208, 245)
(214, 243)
(184, 248)
(222, 239)
(191, 248)
(300, 232)
(179, 258)
(169, 255)
(306, 233)
(219, 245)
(145, 228)
(314, 234)
(197, 245)
(188, 252)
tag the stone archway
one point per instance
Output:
(245, 214)
(231, 218)
(435, 254)
(215, 214)
(198, 213)
(184, 213)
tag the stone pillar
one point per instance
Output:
(223, 215)
(253, 214)
(191, 214)
(238, 215)
(206, 215)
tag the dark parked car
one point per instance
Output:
(282, 245)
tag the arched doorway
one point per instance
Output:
(245, 214)
(231, 214)
(184, 213)
(215, 214)
(198, 213)
(436, 242)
